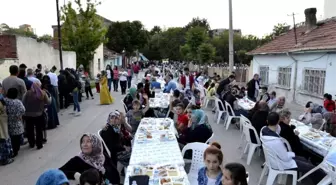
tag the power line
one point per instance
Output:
(294, 26)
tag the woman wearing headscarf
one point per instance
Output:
(117, 137)
(199, 129)
(53, 120)
(105, 96)
(6, 151)
(330, 125)
(130, 97)
(53, 177)
(91, 156)
(34, 101)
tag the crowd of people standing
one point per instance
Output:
(30, 101)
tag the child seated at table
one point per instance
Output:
(135, 115)
(213, 159)
(182, 118)
(90, 177)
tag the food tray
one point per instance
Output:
(312, 135)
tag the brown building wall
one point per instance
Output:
(8, 46)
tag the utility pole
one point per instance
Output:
(59, 35)
(294, 26)
(231, 49)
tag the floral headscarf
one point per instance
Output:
(96, 158)
(52, 177)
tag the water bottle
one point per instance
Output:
(156, 177)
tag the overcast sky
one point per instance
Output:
(255, 17)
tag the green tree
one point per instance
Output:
(170, 43)
(198, 22)
(280, 28)
(128, 36)
(155, 30)
(206, 53)
(194, 38)
(45, 38)
(82, 31)
(152, 48)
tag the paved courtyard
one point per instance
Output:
(63, 143)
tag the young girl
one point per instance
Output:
(211, 174)
(234, 174)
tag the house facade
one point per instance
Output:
(300, 64)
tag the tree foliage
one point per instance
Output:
(194, 38)
(128, 36)
(206, 53)
(82, 30)
(155, 30)
(45, 38)
(198, 22)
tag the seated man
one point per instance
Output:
(155, 84)
(171, 85)
(286, 159)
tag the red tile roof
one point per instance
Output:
(323, 37)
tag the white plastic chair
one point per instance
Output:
(270, 155)
(105, 146)
(125, 107)
(219, 112)
(323, 123)
(251, 147)
(197, 160)
(330, 178)
(229, 113)
(210, 138)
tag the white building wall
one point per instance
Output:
(4, 67)
(31, 53)
(322, 61)
(329, 8)
(97, 64)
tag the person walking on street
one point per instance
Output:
(88, 87)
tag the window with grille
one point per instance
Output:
(263, 72)
(313, 81)
(284, 76)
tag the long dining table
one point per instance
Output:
(155, 147)
(318, 141)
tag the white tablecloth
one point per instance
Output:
(317, 145)
(155, 151)
(246, 104)
(183, 177)
(161, 100)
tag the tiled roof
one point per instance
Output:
(109, 53)
(323, 37)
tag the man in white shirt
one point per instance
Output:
(54, 82)
(31, 77)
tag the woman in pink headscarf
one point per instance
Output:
(34, 101)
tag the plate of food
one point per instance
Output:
(173, 171)
(328, 142)
(149, 170)
(166, 181)
(312, 135)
